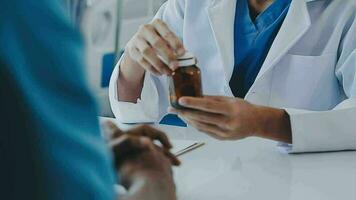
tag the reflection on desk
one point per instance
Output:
(254, 169)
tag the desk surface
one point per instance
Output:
(254, 169)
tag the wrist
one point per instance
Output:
(273, 124)
(130, 70)
(130, 80)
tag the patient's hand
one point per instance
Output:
(143, 166)
(125, 144)
(149, 170)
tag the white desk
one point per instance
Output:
(254, 169)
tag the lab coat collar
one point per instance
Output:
(222, 17)
(295, 25)
(222, 14)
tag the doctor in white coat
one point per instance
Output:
(304, 95)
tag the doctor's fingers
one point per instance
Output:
(138, 57)
(160, 45)
(150, 55)
(211, 130)
(220, 98)
(207, 105)
(209, 118)
(168, 35)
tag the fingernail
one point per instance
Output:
(182, 101)
(180, 51)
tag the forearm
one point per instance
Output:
(275, 125)
(130, 80)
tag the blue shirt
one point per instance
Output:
(50, 144)
(252, 41)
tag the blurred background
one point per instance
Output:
(107, 25)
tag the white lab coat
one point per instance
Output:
(310, 69)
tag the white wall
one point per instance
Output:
(135, 13)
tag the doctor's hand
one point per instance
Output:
(153, 48)
(228, 118)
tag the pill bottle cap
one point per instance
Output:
(188, 59)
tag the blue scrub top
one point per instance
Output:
(252, 42)
(50, 143)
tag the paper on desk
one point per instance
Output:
(181, 147)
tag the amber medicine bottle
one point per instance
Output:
(185, 80)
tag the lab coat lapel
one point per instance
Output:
(295, 25)
(222, 19)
